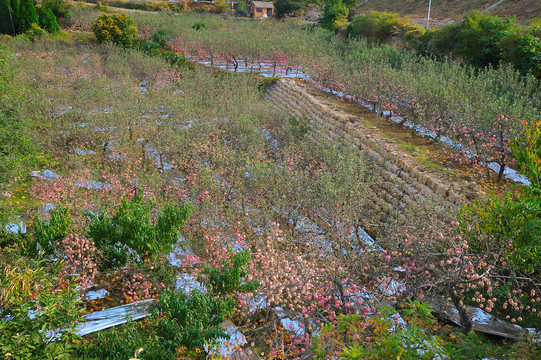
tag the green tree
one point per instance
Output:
(48, 21)
(529, 47)
(284, 8)
(477, 38)
(60, 8)
(335, 14)
(514, 222)
(27, 15)
(55, 229)
(242, 8)
(229, 277)
(133, 225)
(7, 21)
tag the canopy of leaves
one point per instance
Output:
(378, 27)
(116, 28)
(47, 20)
(284, 8)
(27, 15)
(335, 14)
(134, 226)
(181, 324)
(28, 288)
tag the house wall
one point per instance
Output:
(256, 14)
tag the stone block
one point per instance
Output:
(442, 190)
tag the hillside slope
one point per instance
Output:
(454, 9)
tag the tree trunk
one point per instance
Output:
(502, 169)
(143, 152)
(465, 320)
(378, 108)
(105, 145)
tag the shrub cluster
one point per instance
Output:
(481, 40)
(484, 40)
(380, 27)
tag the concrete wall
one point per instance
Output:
(399, 181)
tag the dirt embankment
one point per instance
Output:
(410, 168)
(445, 11)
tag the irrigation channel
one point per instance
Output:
(115, 316)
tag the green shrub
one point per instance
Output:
(101, 7)
(48, 233)
(27, 287)
(529, 58)
(35, 32)
(132, 225)
(527, 151)
(242, 8)
(116, 28)
(180, 326)
(298, 128)
(284, 8)
(175, 60)
(199, 25)
(267, 82)
(22, 244)
(48, 21)
(221, 6)
(230, 277)
(354, 337)
(513, 223)
(335, 14)
(379, 27)
(60, 8)
(476, 39)
(462, 346)
(161, 37)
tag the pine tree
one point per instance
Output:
(27, 15)
(48, 21)
(15, 14)
(6, 24)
